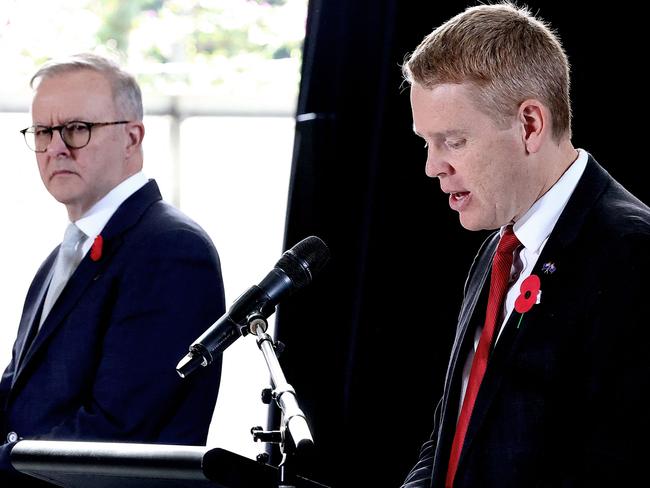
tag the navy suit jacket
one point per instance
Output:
(103, 365)
(563, 401)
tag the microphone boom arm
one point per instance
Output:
(294, 421)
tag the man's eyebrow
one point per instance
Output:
(446, 133)
(64, 122)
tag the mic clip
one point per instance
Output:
(257, 326)
(256, 323)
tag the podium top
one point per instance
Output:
(110, 459)
(75, 464)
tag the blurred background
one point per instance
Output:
(268, 121)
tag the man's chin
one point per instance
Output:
(62, 197)
(68, 199)
(474, 224)
(469, 223)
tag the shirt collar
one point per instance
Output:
(94, 220)
(534, 227)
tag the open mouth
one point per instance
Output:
(459, 199)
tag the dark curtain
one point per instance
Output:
(368, 341)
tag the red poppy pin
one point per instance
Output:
(529, 295)
(96, 250)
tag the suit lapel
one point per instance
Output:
(31, 314)
(556, 251)
(88, 270)
(475, 290)
(472, 309)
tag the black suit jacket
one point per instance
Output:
(103, 365)
(562, 402)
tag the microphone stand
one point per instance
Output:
(294, 435)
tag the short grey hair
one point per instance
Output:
(126, 91)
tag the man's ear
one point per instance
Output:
(135, 134)
(535, 120)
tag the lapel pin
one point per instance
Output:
(549, 268)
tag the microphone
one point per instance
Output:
(294, 270)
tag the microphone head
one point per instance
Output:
(304, 260)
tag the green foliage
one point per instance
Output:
(178, 46)
(206, 28)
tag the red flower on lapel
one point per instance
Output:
(530, 291)
(96, 250)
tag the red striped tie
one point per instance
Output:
(499, 279)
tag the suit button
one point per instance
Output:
(12, 437)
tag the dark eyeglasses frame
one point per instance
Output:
(61, 128)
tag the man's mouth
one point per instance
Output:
(61, 172)
(458, 200)
(459, 195)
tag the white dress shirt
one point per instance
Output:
(94, 220)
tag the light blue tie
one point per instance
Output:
(67, 260)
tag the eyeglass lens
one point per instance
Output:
(75, 135)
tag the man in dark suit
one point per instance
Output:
(109, 314)
(548, 376)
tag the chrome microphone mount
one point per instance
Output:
(294, 436)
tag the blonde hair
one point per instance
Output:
(506, 53)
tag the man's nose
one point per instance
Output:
(57, 146)
(437, 165)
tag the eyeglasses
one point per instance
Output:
(75, 134)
